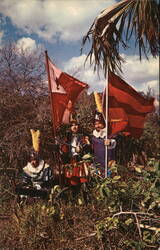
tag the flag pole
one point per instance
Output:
(50, 91)
(106, 147)
(54, 129)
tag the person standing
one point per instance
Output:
(75, 146)
(99, 142)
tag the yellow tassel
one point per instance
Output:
(98, 102)
(35, 139)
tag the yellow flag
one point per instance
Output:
(98, 102)
(35, 139)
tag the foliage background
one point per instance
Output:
(69, 223)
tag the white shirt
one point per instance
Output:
(74, 144)
(102, 134)
(32, 171)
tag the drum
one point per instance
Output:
(77, 173)
(84, 172)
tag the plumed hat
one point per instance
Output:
(35, 139)
(100, 118)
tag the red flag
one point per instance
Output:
(127, 108)
(64, 91)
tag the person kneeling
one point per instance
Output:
(36, 178)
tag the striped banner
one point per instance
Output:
(127, 107)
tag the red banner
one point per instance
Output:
(64, 92)
(127, 108)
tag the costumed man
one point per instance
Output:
(36, 178)
(75, 146)
(99, 143)
(37, 172)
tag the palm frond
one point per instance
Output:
(115, 26)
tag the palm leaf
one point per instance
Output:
(116, 26)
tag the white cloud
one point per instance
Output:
(26, 43)
(141, 76)
(68, 20)
(153, 85)
(75, 66)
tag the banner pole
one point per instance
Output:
(52, 108)
(50, 91)
(106, 147)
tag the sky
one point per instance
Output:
(58, 26)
